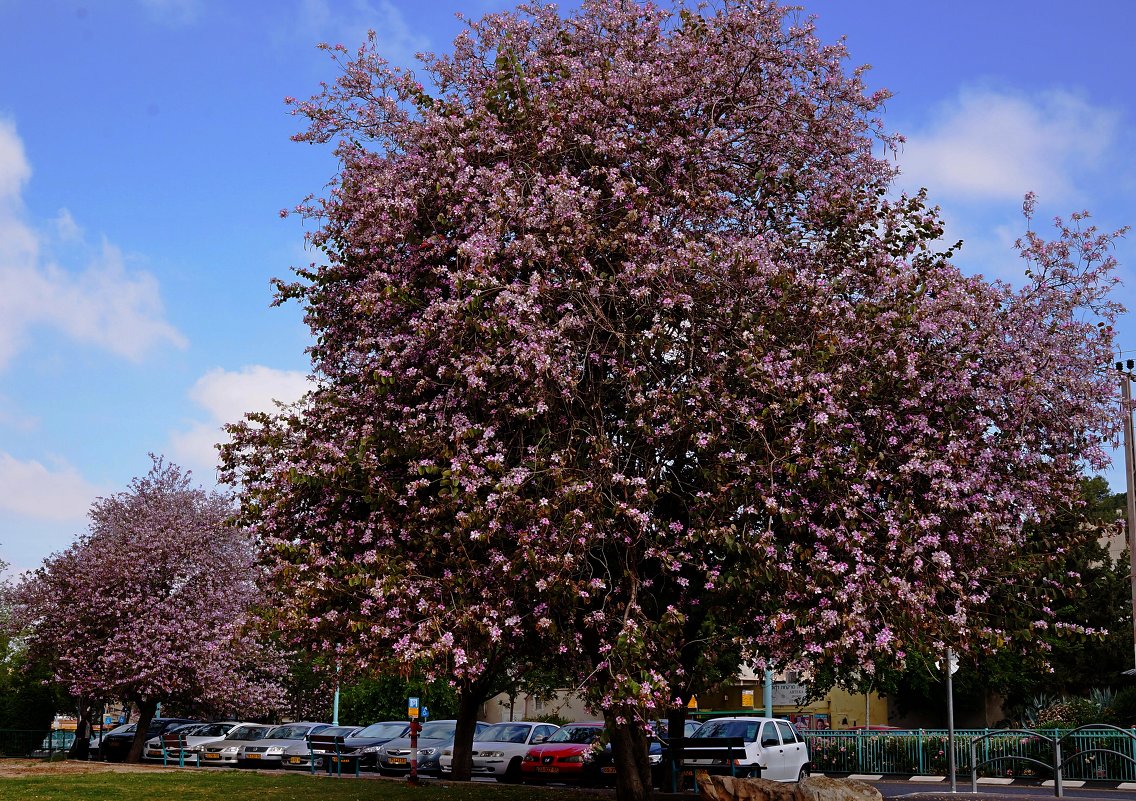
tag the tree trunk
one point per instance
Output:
(629, 753)
(469, 701)
(146, 711)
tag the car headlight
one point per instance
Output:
(447, 752)
(492, 753)
(531, 758)
(427, 751)
(370, 749)
(275, 749)
(232, 749)
(655, 759)
(573, 759)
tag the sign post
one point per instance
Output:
(415, 727)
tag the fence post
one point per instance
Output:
(1058, 787)
(973, 766)
(922, 762)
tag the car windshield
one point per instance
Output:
(290, 732)
(337, 731)
(581, 735)
(388, 730)
(212, 729)
(439, 730)
(247, 733)
(746, 729)
(124, 729)
(505, 733)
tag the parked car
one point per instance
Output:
(499, 750)
(364, 744)
(772, 745)
(571, 754)
(196, 735)
(394, 756)
(269, 751)
(224, 751)
(115, 745)
(299, 755)
(59, 741)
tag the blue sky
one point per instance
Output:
(145, 155)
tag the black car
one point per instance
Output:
(115, 745)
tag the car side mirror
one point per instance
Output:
(540, 738)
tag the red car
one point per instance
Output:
(569, 755)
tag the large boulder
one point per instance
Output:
(814, 788)
(729, 788)
(824, 788)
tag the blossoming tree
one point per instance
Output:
(152, 605)
(622, 345)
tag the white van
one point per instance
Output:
(771, 744)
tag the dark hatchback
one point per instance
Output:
(115, 746)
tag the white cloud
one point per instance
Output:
(347, 23)
(42, 493)
(227, 396)
(997, 145)
(96, 302)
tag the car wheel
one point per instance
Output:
(513, 772)
(804, 774)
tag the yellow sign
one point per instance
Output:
(412, 711)
(693, 703)
(747, 698)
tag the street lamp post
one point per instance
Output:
(1125, 371)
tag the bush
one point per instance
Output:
(1123, 710)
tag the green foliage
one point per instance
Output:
(1124, 707)
(384, 698)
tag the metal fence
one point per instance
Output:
(1089, 753)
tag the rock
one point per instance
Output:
(814, 788)
(728, 788)
(824, 788)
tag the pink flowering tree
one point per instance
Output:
(153, 605)
(625, 356)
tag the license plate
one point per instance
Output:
(212, 756)
(344, 759)
(294, 760)
(548, 769)
(397, 760)
(608, 769)
(252, 756)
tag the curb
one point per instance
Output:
(987, 781)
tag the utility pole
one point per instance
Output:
(1125, 371)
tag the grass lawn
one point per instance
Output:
(232, 785)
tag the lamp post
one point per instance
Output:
(1125, 370)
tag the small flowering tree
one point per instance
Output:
(153, 604)
(621, 346)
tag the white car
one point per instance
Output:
(500, 748)
(196, 735)
(268, 752)
(224, 751)
(771, 744)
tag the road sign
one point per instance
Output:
(412, 708)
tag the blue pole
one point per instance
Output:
(335, 702)
(767, 693)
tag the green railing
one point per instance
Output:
(1087, 754)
